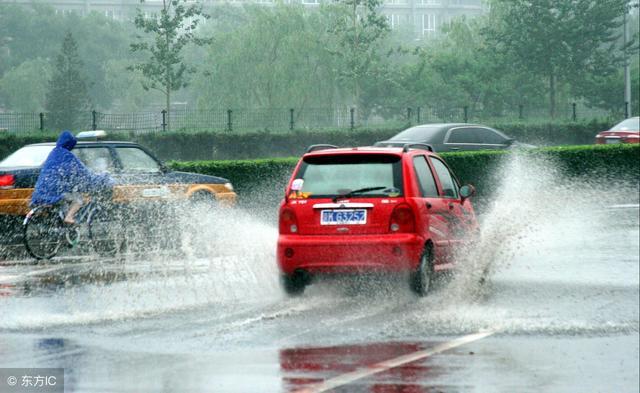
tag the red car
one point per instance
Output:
(627, 131)
(372, 209)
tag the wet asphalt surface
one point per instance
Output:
(562, 298)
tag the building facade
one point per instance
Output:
(417, 18)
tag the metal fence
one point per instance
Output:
(238, 120)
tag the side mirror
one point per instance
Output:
(509, 141)
(467, 191)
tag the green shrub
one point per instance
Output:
(265, 180)
(251, 145)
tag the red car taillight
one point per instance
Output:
(288, 221)
(7, 181)
(402, 219)
(633, 138)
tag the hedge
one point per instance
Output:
(227, 146)
(262, 182)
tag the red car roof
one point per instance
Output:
(357, 150)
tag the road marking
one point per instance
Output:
(625, 206)
(347, 378)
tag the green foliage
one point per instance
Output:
(25, 86)
(337, 55)
(357, 29)
(266, 57)
(29, 32)
(126, 86)
(170, 32)
(605, 91)
(561, 40)
(67, 97)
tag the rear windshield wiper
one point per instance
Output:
(358, 191)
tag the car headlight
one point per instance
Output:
(228, 186)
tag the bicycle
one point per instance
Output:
(45, 232)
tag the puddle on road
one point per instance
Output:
(554, 260)
(219, 259)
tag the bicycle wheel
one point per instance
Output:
(104, 232)
(43, 232)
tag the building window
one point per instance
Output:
(395, 1)
(428, 24)
(310, 1)
(394, 21)
(431, 2)
(475, 3)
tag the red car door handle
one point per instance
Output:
(450, 206)
(428, 205)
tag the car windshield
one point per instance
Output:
(367, 175)
(136, 160)
(28, 156)
(416, 134)
(632, 124)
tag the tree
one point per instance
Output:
(560, 40)
(267, 57)
(167, 35)
(67, 97)
(358, 30)
(25, 86)
(30, 31)
(127, 87)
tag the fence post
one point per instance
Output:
(418, 115)
(291, 119)
(409, 115)
(41, 121)
(574, 116)
(353, 120)
(164, 120)
(94, 125)
(521, 112)
(229, 123)
(626, 110)
(466, 113)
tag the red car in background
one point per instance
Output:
(627, 131)
(372, 209)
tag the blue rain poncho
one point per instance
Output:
(62, 172)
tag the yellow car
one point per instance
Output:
(140, 177)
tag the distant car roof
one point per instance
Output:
(428, 132)
(84, 143)
(630, 124)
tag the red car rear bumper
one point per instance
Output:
(353, 254)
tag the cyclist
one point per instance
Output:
(64, 177)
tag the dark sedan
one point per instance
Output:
(449, 137)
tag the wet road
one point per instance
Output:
(560, 311)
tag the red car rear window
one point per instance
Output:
(327, 176)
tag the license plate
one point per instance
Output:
(343, 217)
(155, 192)
(611, 141)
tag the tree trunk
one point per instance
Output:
(167, 72)
(356, 76)
(168, 106)
(552, 95)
